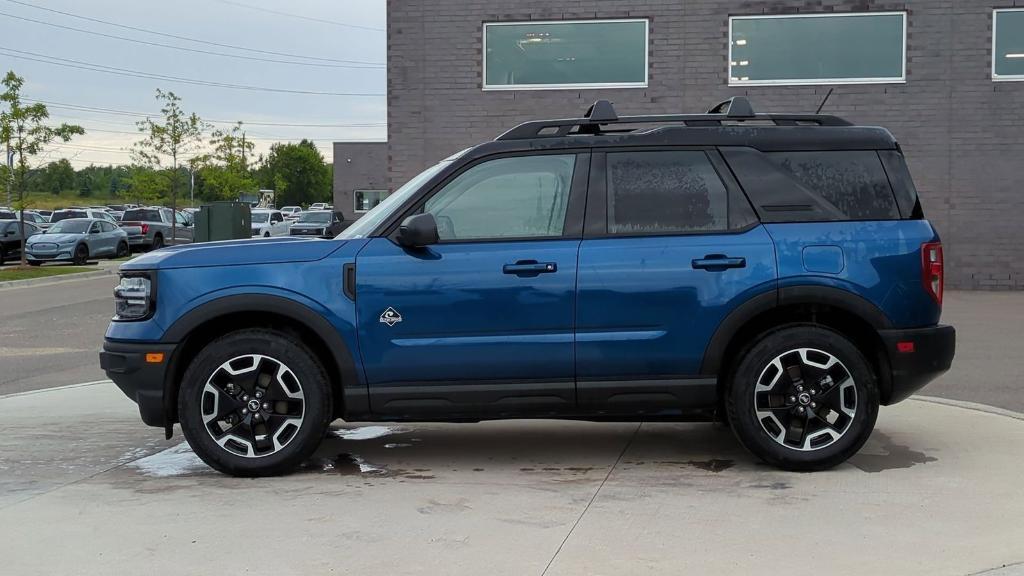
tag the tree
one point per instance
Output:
(297, 173)
(57, 177)
(176, 136)
(24, 130)
(225, 171)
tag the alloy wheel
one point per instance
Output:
(805, 399)
(252, 405)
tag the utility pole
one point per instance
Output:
(244, 167)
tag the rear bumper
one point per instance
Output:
(916, 357)
(142, 381)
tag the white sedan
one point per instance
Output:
(267, 223)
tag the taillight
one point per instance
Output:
(145, 229)
(932, 270)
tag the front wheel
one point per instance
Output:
(122, 250)
(803, 398)
(254, 403)
(81, 254)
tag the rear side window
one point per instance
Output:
(902, 184)
(142, 215)
(665, 192)
(854, 182)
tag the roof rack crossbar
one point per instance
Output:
(735, 110)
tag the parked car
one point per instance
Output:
(77, 240)
(151, 227)
(7, 214)
(772, 270)
(45, 214)
(33, 217)
(291, 212)
(67, 213)
(267, 223)
(10, 239)
(318, 206)
(320, 223)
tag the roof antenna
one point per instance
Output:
(823, 100)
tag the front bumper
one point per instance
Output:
(60, 254)
(916, 357)
(144, 382)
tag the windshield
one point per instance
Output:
(70, 227)
(64, 214)
(381, 211)
(315, 217)
(260, 217)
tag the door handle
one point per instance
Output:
(718, 262)
(529, 268)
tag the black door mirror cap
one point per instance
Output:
(418, 231)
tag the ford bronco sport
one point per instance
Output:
(772, 271)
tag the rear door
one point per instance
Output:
(671, 246)
(480, 323)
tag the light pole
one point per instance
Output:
(191, 185)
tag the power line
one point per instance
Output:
(178, 37)
(196, 50)
(69, 63)
(299, 16)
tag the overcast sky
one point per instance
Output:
(333, 46)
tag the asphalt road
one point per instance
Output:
(50, 335)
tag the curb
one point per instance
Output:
(57, 279)
(54, 389)
(970, 406)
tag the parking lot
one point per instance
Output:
(933, 492)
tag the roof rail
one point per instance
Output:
(601, 118)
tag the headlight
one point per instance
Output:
(132, 298)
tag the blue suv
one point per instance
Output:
(771, 271)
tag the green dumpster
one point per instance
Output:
(223, 221)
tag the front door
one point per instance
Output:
(671, 246)
(482, 322)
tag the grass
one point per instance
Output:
(27, 273)
(48, 201)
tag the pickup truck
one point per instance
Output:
(150, 228)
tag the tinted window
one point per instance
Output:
(517, 197)
(65, 214)
(664, 192)
(6, 215)
(851, 181)
(317, 217)
(143, 215)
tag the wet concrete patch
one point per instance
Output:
(882, 453)
(712, 465)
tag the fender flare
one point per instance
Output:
(354, 400)
(787, 296)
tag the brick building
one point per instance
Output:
(360, 176)
(947, 78)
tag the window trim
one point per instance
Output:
(902, 79)
(567, 86)
(1002, 77)
(357, 190)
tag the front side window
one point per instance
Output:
(565, 54)
(868, 47)
(665, 192)
(366, 200)
(518, 197)
(854, 182)
(1008, 44)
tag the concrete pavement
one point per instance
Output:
(85, 488)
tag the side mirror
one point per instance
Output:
(418, 231)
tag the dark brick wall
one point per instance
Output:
(358, 166)
(963, 134)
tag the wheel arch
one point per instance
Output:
(215, 318)
(845, 312)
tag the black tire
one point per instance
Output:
(122, 250)
(266, 234)
(158, 242)
(791, 434)
(194, 397)
(3, 255)
(81, 254)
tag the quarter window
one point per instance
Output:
(664, 192)
(1008, 44)
(565, 54)
(519, 197)
(366, 200)
(854, 182)
(818, 49)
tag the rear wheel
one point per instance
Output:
(803, 398)
(254, 403)
(81, 254)
(158, 242)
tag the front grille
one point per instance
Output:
(44, 247)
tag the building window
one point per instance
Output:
(365, 200)
(856, 48)
(1008, 44)
(565, 54)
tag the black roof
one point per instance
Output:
(731, 123)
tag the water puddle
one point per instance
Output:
(882, 453)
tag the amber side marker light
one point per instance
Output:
(154, 357)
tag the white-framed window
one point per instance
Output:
(1008, 44)
(559, 54)
(833, 48)
(365, 200)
